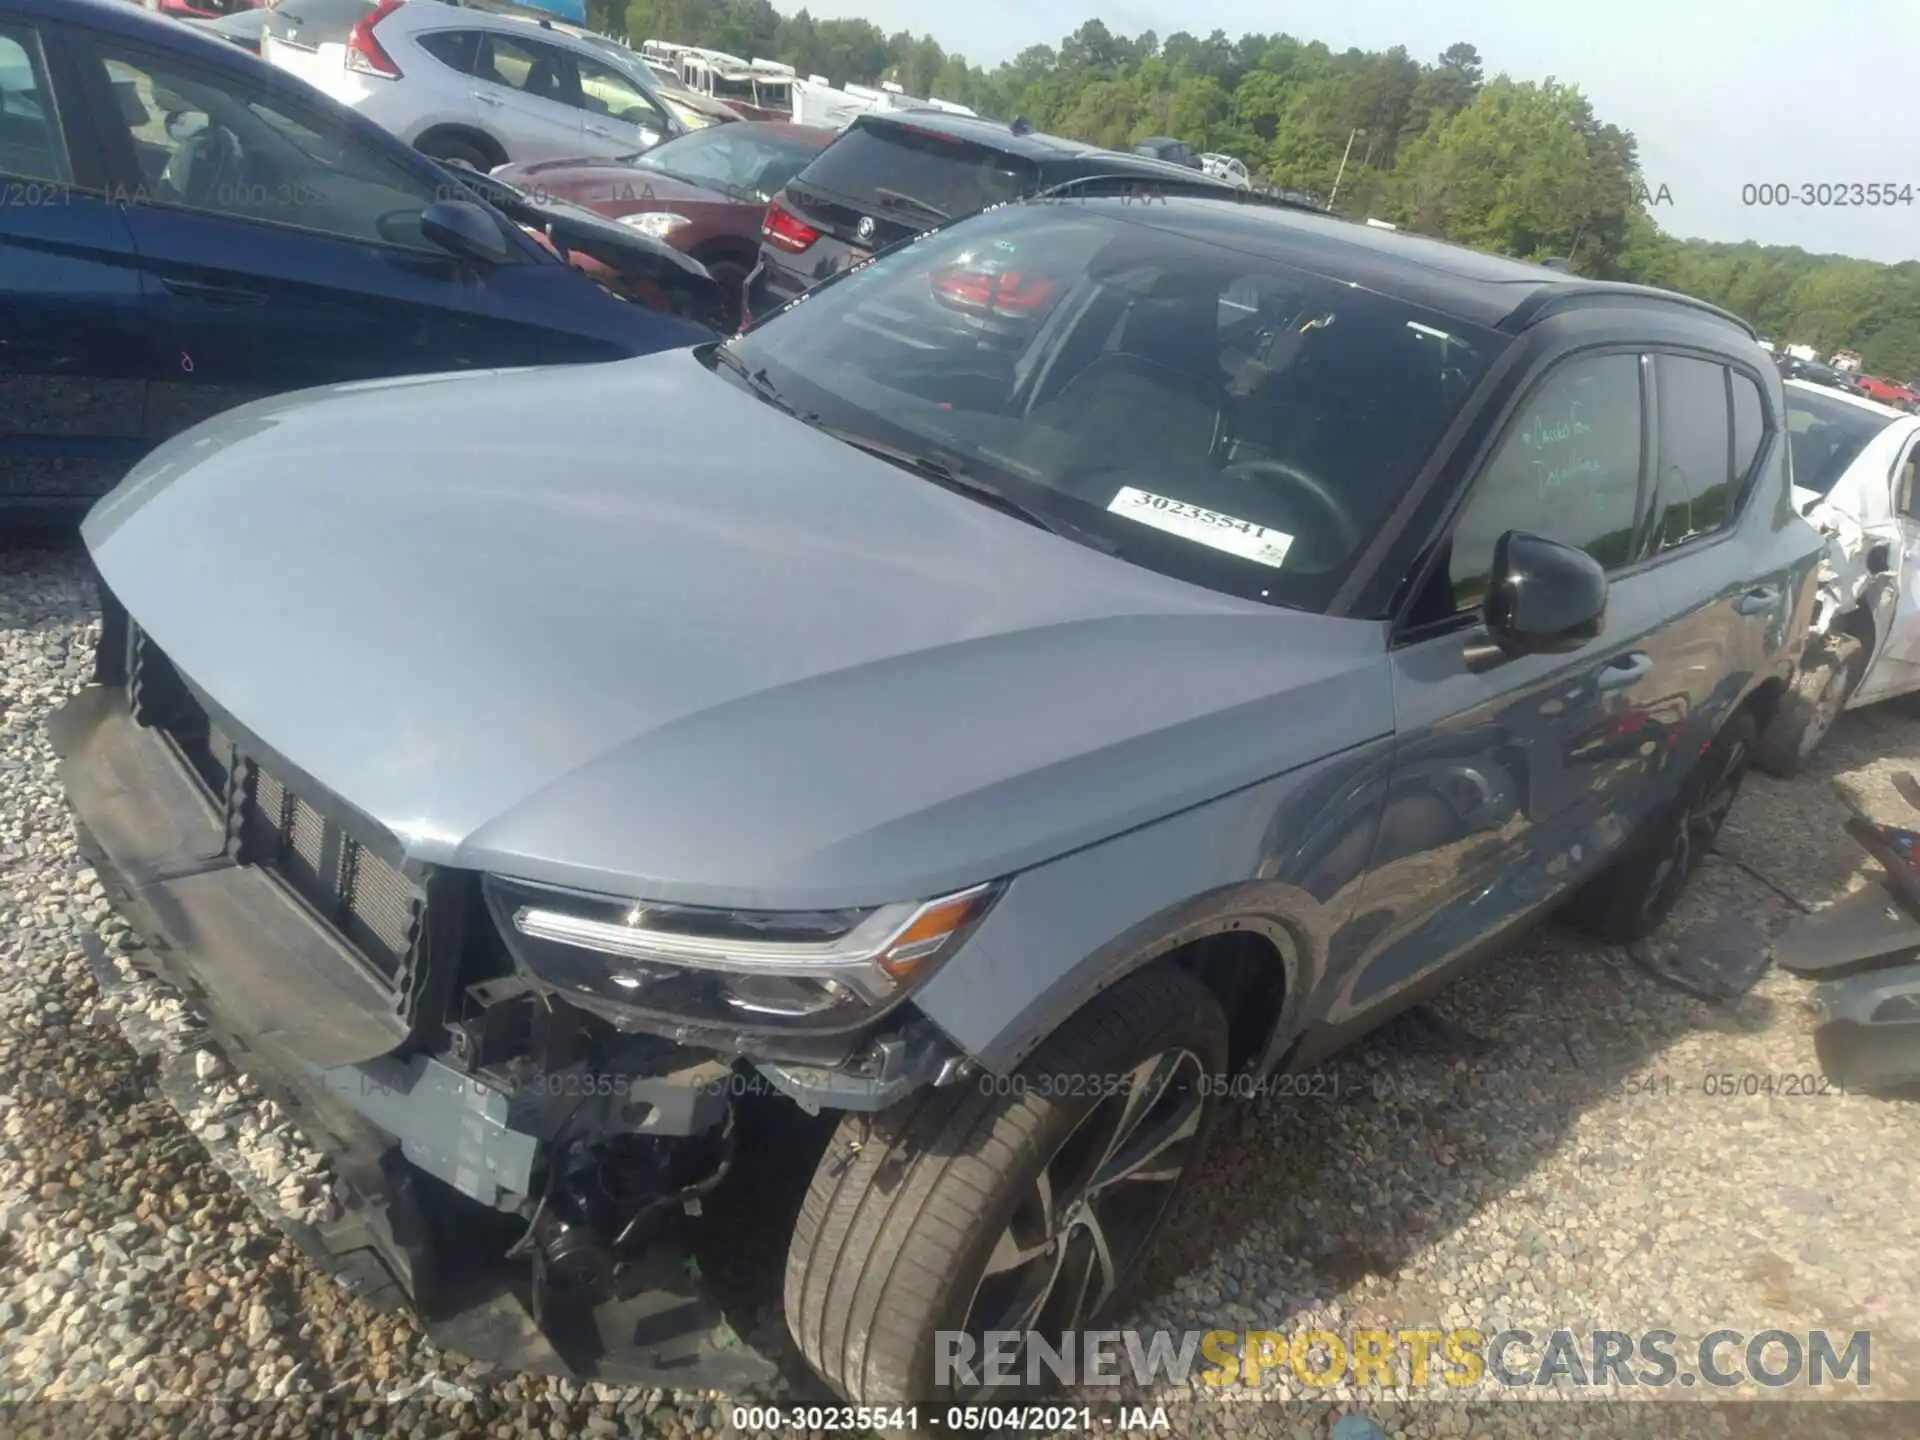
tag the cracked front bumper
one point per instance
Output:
(288, 1005)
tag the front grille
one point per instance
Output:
(345, 871)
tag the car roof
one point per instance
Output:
(115, 15)
(1848, 397)
(1487, 290)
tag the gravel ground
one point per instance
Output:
(1553, 1161)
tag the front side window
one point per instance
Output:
(31, 147)
(605, 91)
(1568, 469)
(208, 143)
(1191, 405)
(1696, 449)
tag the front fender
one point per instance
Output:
(1282, 858)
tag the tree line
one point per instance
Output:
(1516, 167)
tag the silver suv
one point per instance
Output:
(1096, 651)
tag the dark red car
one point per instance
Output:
(704, 193)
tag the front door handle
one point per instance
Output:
(600, 130)
(1625, 670)
(486, 99)
(1758, 600)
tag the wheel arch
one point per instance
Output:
(1252, 961)
(465, 134)
(734, 248)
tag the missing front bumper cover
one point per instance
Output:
(405, 1139)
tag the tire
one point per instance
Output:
(904, 1214)
(731, 277)
(1807, 712)
(455, 147)
(1634, 896)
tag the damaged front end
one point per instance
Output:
(531, 1099)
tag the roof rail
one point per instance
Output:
(1551, 299)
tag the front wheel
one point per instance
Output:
(1018, 1204)
(1631, 900)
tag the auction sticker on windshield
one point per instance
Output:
(1209, 527)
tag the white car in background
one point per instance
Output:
(477, 86)
(1856, 476)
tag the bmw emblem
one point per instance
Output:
(865, 228)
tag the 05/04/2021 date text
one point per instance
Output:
(1824, 194)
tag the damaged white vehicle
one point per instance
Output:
(1854, 470)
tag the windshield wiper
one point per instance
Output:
(949, 475)
(757, 380)
(928, 467)
(899, 199)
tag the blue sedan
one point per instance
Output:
(183, 229)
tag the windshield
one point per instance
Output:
(1826, 435)
(747, 162)
(728, 88)
(911, 169)
(1203, 411)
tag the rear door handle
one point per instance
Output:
(1758, 600)
(486, 99)
(1625, 670)
(211, 290)
(600, 130)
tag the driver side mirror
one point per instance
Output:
(1543, 598)
(465, 229)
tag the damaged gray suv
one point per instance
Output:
(1099, 652)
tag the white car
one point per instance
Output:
(477, 86)
(1856, 475)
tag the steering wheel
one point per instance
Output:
(195, 173)
(1295, 481)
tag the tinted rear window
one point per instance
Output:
(880, 164)
(1826, 436)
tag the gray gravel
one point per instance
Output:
(1557, 1163)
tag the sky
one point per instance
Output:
(1720, 94)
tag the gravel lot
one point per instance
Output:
(1557, 1165)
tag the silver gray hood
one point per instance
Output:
(628, 628)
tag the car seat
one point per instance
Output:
(1151, 400)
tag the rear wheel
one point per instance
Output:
(457, 148)
(1807, 712)
(1632, 898)
(1019, 1204)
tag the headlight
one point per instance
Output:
(818, 970)
(657, 223)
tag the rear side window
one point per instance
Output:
(543, 71)
(30, 143)
(1749, 428)
(918, 174)
(456, 49)
(1696, 449)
